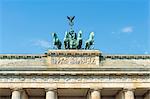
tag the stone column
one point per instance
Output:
(56, 94)
(147, 96)
(89, 94)
(16, 93)
(119, 95)
(24, 95)
(128, 93)
(51, 93)
(95, 94)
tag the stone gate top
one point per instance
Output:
(79, 59)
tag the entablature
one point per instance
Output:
(74, 59)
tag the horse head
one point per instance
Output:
(90, 41)
(92, 35)
(54, 35)
(56, 41)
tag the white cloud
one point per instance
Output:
(127, 29)
(42, 44)
(146, 52)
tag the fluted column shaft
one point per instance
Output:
(95, 94)
(119, 95)
(16, 94)
(129, 93)
(147, 96)
(24, 95)
(51, 94)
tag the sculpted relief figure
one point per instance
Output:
(73, 39)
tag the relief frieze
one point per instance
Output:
(69, 78)
(73, 60)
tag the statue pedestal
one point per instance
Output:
(73, 58)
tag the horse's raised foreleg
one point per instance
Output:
(86, 45)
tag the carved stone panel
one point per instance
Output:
(73, 57)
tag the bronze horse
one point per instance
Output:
(90, 41)
(56, 42)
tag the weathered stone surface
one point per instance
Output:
(71, 69)
(77, 78)
(75, 59)
(126, 62)
(22, 62)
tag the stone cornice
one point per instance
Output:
(73, 53)
(75, 79)
(98, 69)
(21, 56)
(34, 56)
(63, 59)
(126, 56)
(84, 73)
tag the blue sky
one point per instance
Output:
(120, 26)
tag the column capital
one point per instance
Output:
(129, 89)
(148, 92)
(16, 89)
(96, 89)
(50, 89)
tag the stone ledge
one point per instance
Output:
(33, 56)
(74, 53)
(129, 72)
(32, 68)
(21, 56)
(126, 56)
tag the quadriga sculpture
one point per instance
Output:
(56, 42)
(90, 41)
(71, 41)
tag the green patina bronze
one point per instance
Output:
(90, 41)
(71, 39)
(56, 42)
